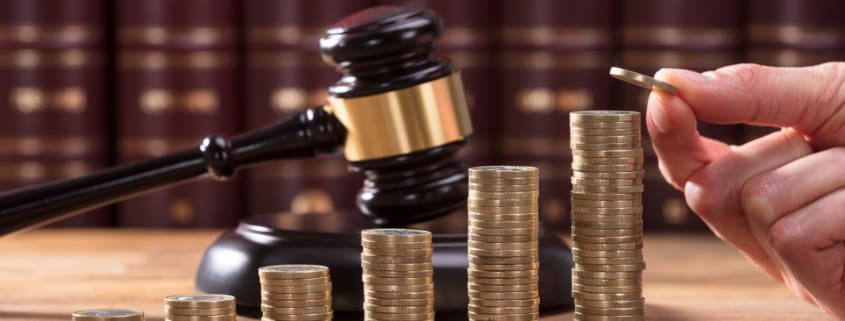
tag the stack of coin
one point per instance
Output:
(398, 284)
(294, 292)
(502, 236)
(108, 315)
(199, 307)
(607, 169)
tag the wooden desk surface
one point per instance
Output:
(45, 275)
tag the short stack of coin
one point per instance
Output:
(108, 315)
(199, 307)
(294, 292)
(398, 276)
(607, 169)
(502, 243)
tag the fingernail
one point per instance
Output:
(676, 76)
(659, 115)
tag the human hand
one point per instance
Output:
(779, 199)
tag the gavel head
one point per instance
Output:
(404, 110)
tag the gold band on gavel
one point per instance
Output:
(403, 121)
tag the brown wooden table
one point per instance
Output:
(47, 274)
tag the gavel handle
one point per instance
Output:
(305, 134)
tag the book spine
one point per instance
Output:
(793, 33)
(177, 76)
(52, 92)
(697, 35)
(554, 59)
(284, 75)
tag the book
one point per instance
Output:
(284, 75)
(554, 59)
(53, 120)
(177, 77)
(697, 35)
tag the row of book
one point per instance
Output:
(90, 83)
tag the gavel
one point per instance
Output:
(399, 111)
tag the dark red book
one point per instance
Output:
(176, 83)
(284, 74)
(697, 35)
(52, 92)
(554, 60)
(793, 33)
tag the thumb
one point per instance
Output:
(809, 99)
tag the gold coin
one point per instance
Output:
(606, 125)
(274, 297)
(609, 175)
(501, 231)
(403, 295)
(608, 189)
(640, 80)
(484, 260)
(396, 266)
(505, 224)
(502, 195)
(293, 271)
(606, 146)
(577, 316)
(637, 224)
(208, 311)
(622, 139)
(608, 160)
(400, 288)
(297, 303)
(588, 253)
(617, 203)
(608, 289)
(575, 131)
(633, 152)
(502, 295)
(405, 309)
(225, 317)
(503, 267)
(297, 289)
(618, 218)
(605, 168)
(199, 301)
(373, 315)
(501, 171)
(531, 181)
(607, 239)
(627, 210)
(606, 196)
(606, 232)
(630, 275)
(502, 288)
(503, 274)
(370, 258)
(502, 238)
(607, 182)
(505, 303)
(395, 245)
(532, 209)
(295, 282)
(503, 310)
(428, 301)
(502, 202)
(426, 252)
(502, 281)
(633, 267)
(296, 310)
(605, 296)
(608, 247)
(378, 280)
(297, 317)
(503, 253)
(610, 303)
(604, 115)
(611, 311)
(501, 188)
(400, 274)
(108, 315)
(503, 317)
(502, 246)
(606, 282)
(396, 235)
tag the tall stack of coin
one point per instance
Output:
(108, 315)
(398, 284)
(502, 244)
(294, 292)
(199, 307)
(607, 174)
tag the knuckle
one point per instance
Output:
(705, 195)
(785, 238)
(757, 195)
(747, 73)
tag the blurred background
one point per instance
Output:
(91, 83)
